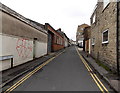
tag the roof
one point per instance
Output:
(18, 16)
(62, 33)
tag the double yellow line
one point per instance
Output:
(30, 74)
(102, 88)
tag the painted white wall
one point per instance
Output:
(5, 65)
(0, 45)
(0, 52)
(21, 49)
(66, 44)
(40, 49)
(14, 46)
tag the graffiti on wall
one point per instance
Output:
(24, 47)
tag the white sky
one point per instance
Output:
(64, 14)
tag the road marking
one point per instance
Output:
(30, 74)
(93, 75)
(98, 79)
(95, 80)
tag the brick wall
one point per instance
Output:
(105, 19)
(56, 47)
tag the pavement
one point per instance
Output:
(65, 72)
(111, 79)
(13, 73)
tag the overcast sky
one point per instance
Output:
(64, 14)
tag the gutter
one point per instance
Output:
(117, 42)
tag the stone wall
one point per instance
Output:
(105, 19)
(79, 34)
(119, 33)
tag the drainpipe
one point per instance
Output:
(34, 46)
(117, 43)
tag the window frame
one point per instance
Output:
(105, 42)
(94, 19)
(93, 43)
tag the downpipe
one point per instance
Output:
(117, 43)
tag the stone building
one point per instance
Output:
(118, 37)
(105, 34)
(79, 34)
(21, 39)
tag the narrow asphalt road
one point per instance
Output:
(65, 73)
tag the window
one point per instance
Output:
(105, 3)
(60, 41)
(93, 41)
(93, 21)
(82, 29)
(105, 36)
(93, 18)
(57, 39)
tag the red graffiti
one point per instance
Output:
(23, 47)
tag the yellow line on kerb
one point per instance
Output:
(93, 75)
(30, 74)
